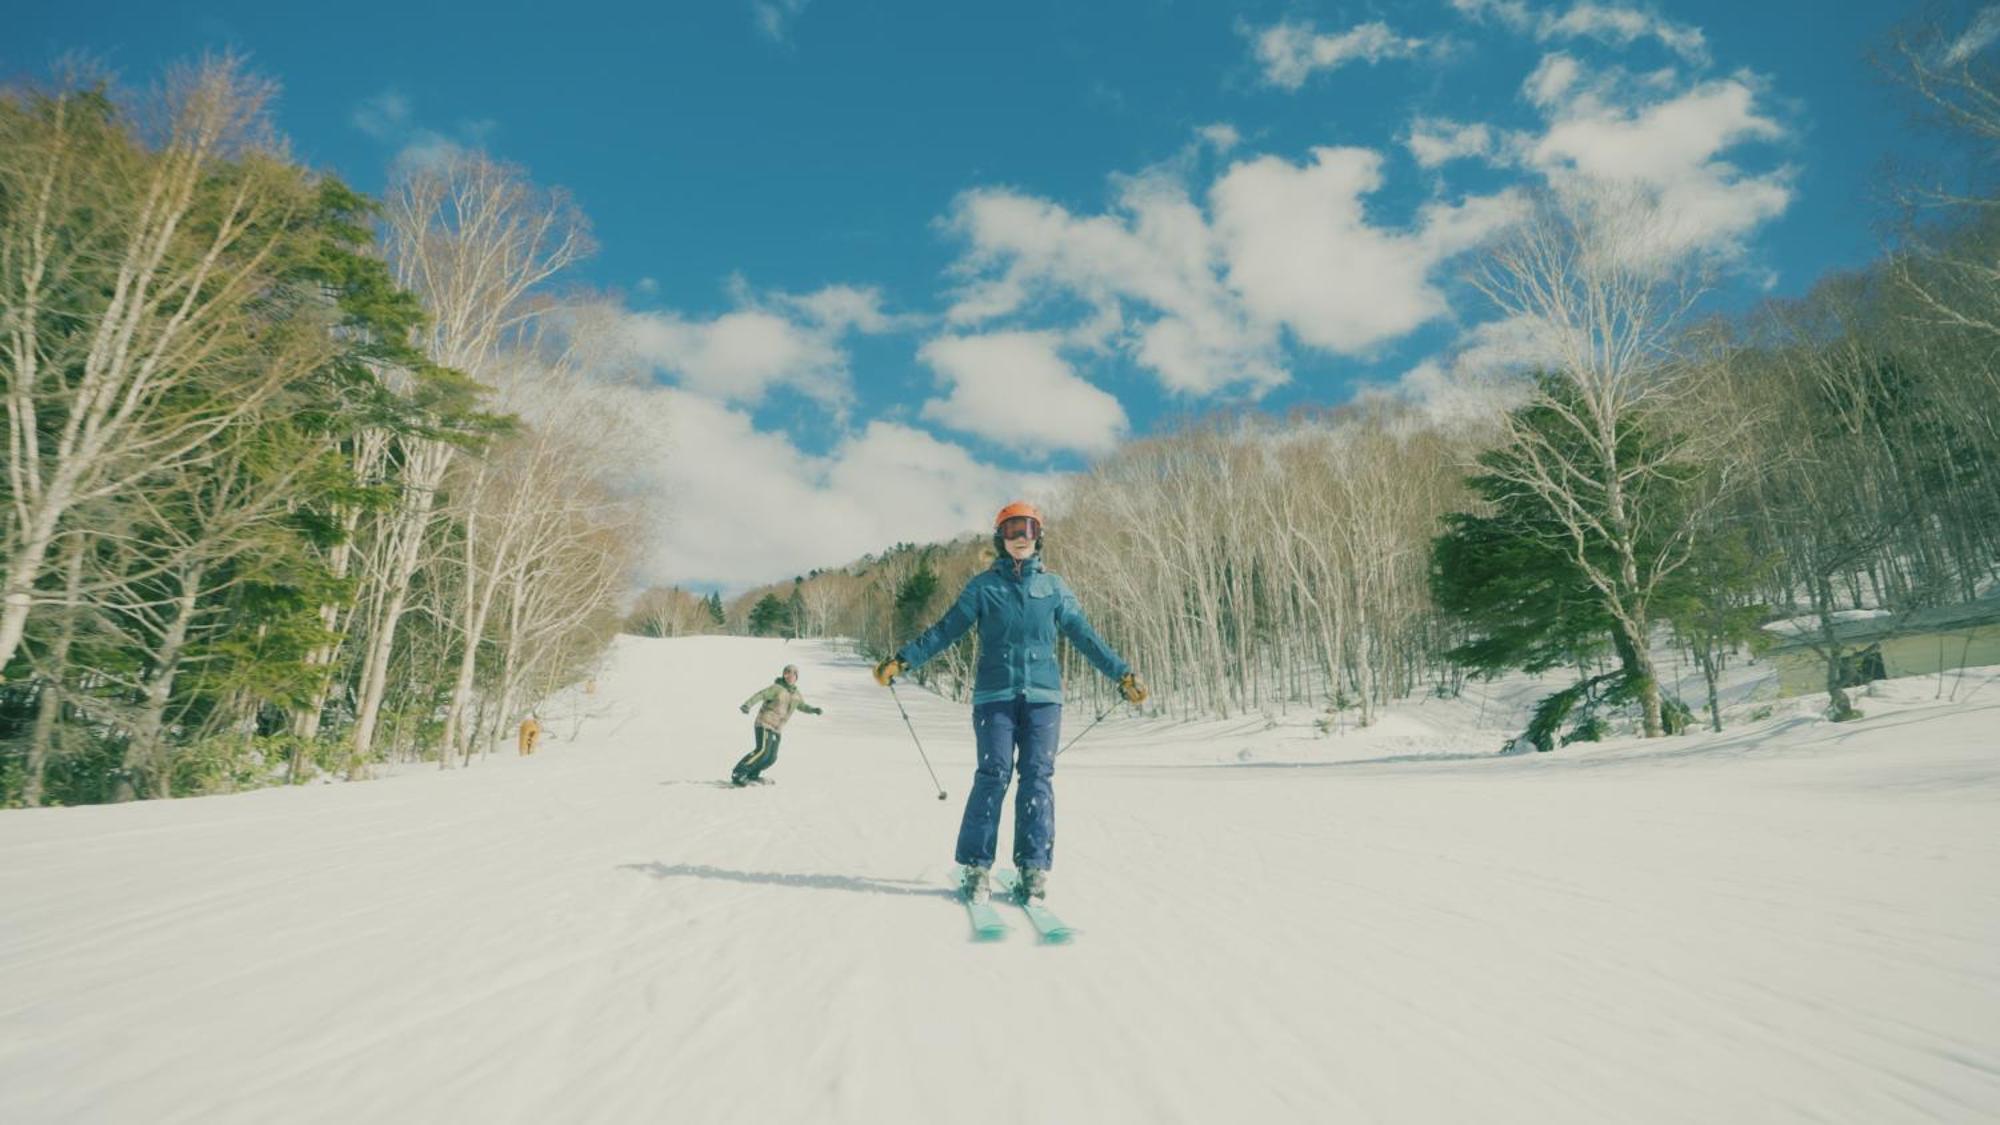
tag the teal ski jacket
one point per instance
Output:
(1019, 610)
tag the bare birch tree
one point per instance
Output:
(475, 241)
(1586, 268)
(167, 247)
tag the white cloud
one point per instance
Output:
(1621, 26)
(426, 149)
(1653, 141)
(739, 356)
(1014, 388)
(1434, 141)
(383, 116)
(1503, 347)
(746, 506)
(389, 117)
(1446, 399)
(1671, 153)
(1154, 255)
(1660, 142)
(1554, 77)
(1302, 253)
(1201, 297)
(1291, 52)
(838, 308)
(1618, 25)
(1220, 136)
(1513, 13)
(776, 339)
(1479, 379)
(726, 503)
(1985, 28)
(775, 17)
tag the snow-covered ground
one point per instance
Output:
(1788, 921)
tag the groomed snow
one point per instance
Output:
(1789, 921)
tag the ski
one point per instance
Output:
(987, 925)
(1054, 930)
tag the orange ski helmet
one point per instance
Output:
(1014, 521)
(1017, 508)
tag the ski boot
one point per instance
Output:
(975, 885)
(1034, 888)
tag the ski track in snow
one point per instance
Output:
(1788, 921)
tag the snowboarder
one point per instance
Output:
(1016, 696)
(775, 706)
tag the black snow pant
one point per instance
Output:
(759, 759)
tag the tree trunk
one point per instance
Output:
(477, 601)
(145, 753)
(1705, 656)
(510, 660)
(1638, 665)
(423, 472)
(24, 569)
(1839, 707)
(306, 723)
(48, 708)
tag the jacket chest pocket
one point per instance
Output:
(1040, 626)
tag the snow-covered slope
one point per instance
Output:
(1791, 920)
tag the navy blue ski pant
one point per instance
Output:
(1013, 736)
(763, 757)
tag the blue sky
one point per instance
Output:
(892, 263)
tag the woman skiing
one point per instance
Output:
(775, 705)
(1016, 696)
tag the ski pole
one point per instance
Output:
(915, 739)
(1088, 729)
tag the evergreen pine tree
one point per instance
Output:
(913, 599)
(1511, 575)
(768, 616)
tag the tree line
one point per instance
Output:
(296, 479)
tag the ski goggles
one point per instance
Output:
(1020, 527)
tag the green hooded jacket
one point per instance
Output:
(776, 704)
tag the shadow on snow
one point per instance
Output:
(857, 883)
